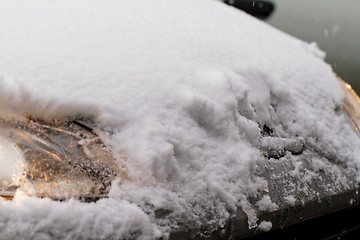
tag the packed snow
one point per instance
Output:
(182, 91)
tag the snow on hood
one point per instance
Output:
(185, 89)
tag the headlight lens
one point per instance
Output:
(351, 104)
(57, 159)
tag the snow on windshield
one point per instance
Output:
(181, 91)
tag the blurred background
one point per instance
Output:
(333, 24)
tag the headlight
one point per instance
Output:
(57, 159)
(351, 104)
(12, 165)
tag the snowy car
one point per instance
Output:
(174, 119)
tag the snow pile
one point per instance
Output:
(265, 226)
(185, 90)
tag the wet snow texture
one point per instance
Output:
(184, 88)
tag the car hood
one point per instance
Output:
(193, 97)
